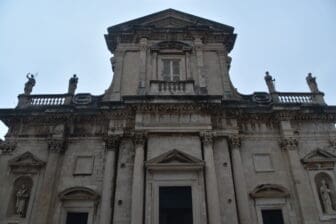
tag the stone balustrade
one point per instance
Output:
(298, 98)
(159, 87)
(44, 100)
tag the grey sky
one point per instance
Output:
(58, 38)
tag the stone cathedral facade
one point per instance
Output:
(171, 141)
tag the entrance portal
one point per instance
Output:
(273, 216)
(175, 205)
(77, 218)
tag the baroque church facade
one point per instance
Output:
(171, 141)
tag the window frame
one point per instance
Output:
(171, 57)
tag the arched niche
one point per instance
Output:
(20, 197)
(326, 193)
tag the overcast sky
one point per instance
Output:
(57, 38)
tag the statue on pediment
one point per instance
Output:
(73, 84)
(29, 84)
(311, 81)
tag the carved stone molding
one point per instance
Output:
(270, 191)
(289, 143)
(235, 141)
(56, 145)
(112, 142)
(6, 147)
(207, 137)
(139, 138)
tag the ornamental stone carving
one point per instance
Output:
(207, 138)
(289, 144)
(326, 198)
(56, 145)
(29, 84)
(22, 198)
(235, 141)
(139, 138)
(112, 142)
(7, 147)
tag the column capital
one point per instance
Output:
(207, 137)
(112, 142)
(139, 138)
(289, 143)
(56, 145)
(235, 141)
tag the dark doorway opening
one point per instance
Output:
(77, 218)
(273, 216)
(175, 205)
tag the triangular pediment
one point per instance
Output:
(174, 159)
(319, 159)
(171, 18)
(26, 159)
(319, 155)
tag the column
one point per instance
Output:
(138, 180)
(143, 60)
(239, 182)
(290, 145)
(46, 194)
(107, 199)
(211, 180)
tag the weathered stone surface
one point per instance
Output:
(108, 155)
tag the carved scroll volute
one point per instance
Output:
(56, 145)
(139, 139)
(112, 142)
(207, 138)
(289, 143)
(235, 141)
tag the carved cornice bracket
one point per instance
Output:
(235, 141)
(56, 145)
(289, 143)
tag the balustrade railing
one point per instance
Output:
(44, 100)
(298, 98)
(158, 87)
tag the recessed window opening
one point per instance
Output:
(272, 216)
(175, 205)
(171, 69)
(77, 218)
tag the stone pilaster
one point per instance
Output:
(200, 65)
(138, 179)
(47, 193)
(239, 181)
(211, 179)
(143, 60)
(111, 145)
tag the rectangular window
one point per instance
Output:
(273, 216)
(77, 218)
(171, 70)
(175, 205)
